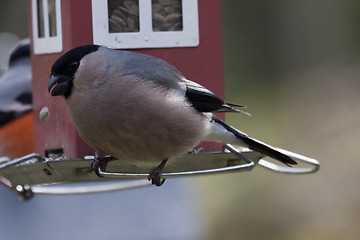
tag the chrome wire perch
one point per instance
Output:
(33, 174)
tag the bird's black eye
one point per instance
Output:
(73, 65)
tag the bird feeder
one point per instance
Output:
(185, 33)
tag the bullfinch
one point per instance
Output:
(141, 109)
(16, 118)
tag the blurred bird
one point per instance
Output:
(16, 120)
(141, 109)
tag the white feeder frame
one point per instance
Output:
(46, 44)
(146, 37)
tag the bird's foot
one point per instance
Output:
(94, 165)
(155, 174)
(99, 162)
(199, 150)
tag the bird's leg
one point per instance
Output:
(155, 174)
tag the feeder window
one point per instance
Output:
(46, 24)
(123, 16)
(145, 23)
(167, 15)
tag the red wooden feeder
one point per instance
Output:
(186, 33)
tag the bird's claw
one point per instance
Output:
(99, 162)
(94, 165)
(199, 150)
(155, 177)
(155, 174)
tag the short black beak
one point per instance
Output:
(61, 83)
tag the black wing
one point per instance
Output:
(204, 100)
(167, 76)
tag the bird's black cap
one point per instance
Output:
(22, 50)
(63, 64)
(64, 69)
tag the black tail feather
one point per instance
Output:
(268, 150)
(257, 145)
(236, 105)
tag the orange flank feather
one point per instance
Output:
(17, 137)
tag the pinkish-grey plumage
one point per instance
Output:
(129, 121)
(141, 109)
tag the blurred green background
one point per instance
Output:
(296, 65)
